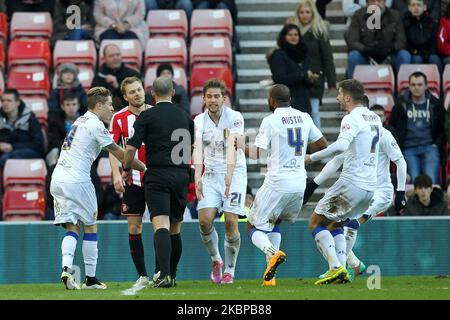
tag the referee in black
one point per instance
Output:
(168, 134)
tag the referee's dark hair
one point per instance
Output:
(96, 95)
(280, 94)
(162, 87)
(215, 83)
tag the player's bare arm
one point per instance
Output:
(318, 145)
(198, 167)
(231, 161)
(120, 154)
(118, 182)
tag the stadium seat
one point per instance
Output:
(383, 99)
(447, 100)
(39, 106)
(31, 26)
(78, 52)
(2, 55)
(179, 76)
(3, 27)
(211, 49)
(29, 53)
(171, 50)
(167, 22)
(29, 81)
(85, 75)
(200, 75)
(446, 79)
(378, 78)
(104, 171)
(131, 52)
(2, 82)
(24, 172)
(211, 22)
(24, 203)
(430, 70)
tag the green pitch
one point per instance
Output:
(421, 288)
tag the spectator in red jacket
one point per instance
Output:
(443, 37)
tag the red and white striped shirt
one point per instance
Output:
(121, 128)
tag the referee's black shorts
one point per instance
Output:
(133, 202)
(166, 190)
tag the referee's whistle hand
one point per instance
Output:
(126, 175)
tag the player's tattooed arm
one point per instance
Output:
(120, 154)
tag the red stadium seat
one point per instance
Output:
(164, 22)
(211, 22)
(131, 52)
(29, 81)
(383, 99)
(85, 75)
(179, 76)
(39, 106)
(430, 70)
(2, 55)
(78, 52)
(104, 171)
(446, 78)
(24, 172)
(29, 53)
(3, 27)
(446, 100)
(376, 78)
(171, 50)
(31, 26)
(24, 203)
(211, 49)
(200, 75)
(2, 82)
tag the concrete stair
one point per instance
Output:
(260, 21)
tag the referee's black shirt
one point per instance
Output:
(158, 128)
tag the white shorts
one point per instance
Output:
(214, 189)
(271, 205)
(343, 200)
(74, 202)
(381, 201)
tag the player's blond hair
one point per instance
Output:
(96, 95)
(127, 81)
(215, 83)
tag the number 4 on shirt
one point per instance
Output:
(295, 140)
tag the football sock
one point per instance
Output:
(231, 253)
(325, 244)
(261, 241)
(211, 242)
(275, 238)
(163, 250)
(177, 248)
(90, 253)
(340, 244)
(352, 260)
(156, 259)
(137, 253)
(350, 237)
(68, 246)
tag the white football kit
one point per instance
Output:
(71, 186)
(352, 192)
(285, 135)
(214, 140)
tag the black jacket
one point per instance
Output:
(120, 74)
(420, 34)
(57, 97)
(398, 120)
(437, 206)
(295, 76)
(180, 99)
(56, 130)
(24, 133)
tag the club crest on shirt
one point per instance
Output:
(237, 123)
(394, 144)
(345, 127)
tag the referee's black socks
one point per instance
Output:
(137, 253)
(163, 248)
(177, 248)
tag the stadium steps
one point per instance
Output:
(260, 21)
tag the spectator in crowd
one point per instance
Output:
(421, 33)
(63, 22)
(320, 56)
(433, 7)
(59, 124)
(3, 6)
(185, 5)
(426, 201)
(418, 121)
(121, 19)
(67, 83)
(30, 6)
(111, 204)
(384, 45)
(180, 98)
(20, 132)
(112, 72)
(217, 4)
(444, 5)
(443, 36)
(322, 7)
(349, 7)
(288, 66)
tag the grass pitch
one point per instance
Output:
(403, 288)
